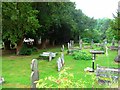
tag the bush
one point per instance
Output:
(25, 50)
(81, 55)
(64, 80)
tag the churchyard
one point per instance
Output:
(16, 70)
(56, 45)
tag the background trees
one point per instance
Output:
(57, 22)
(18, 20)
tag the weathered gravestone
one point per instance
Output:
(117, 59)
(62, 59)
(80, 43)
(59, 64)
(68, 45)
(50, 56)
(113, 47)
(62, 49)
(1, 80)
(107, 75)
(39, 41)
(92, 43)
(71, 43)
(35, 73)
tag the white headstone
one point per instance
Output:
(62, 59)
(39, 41)
(68, 45)
(59, 64)
(50, 56)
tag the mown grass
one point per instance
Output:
(16, 69)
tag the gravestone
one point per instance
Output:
(112, 47)
(62, 48)
(59, 64)
(39, 41)
(35, 73)
(113, 42)
(68, 45)
(1, 80)
(107, 75)
(80, 43)
(62, 59)
(92, 43)
(50, 56)
(106, 50)
(71, 43)
(117, 59)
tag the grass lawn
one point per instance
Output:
(16, 69)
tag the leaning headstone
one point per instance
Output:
(50, 56)
(59, 64)
(117, 59)
(35, 73)
(62, 59)
(80, 43)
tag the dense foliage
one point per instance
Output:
(57, 22)
(81, 55)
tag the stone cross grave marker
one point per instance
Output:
(62, 59)
(59, 64)
(35, 73)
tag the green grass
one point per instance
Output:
(16, 69)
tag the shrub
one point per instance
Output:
(81, 55)
(64, 80)
(25, 50)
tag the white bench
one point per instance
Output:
(48, 54)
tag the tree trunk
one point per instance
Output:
(7, 44)
(19, 46)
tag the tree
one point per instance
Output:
(18, 20)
